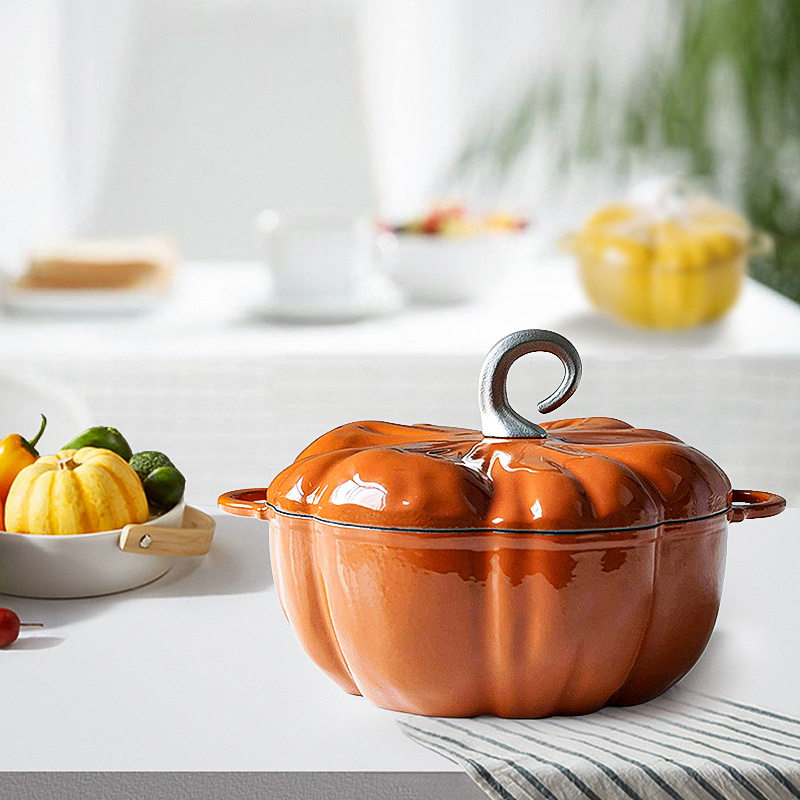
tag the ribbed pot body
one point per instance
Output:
(508, 624)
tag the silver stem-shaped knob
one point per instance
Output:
(498, 419)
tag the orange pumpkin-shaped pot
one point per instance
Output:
(523, 571)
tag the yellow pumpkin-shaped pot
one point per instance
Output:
(674, 261)
(76, 491)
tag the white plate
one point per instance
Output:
(378, 297)
(79, 301)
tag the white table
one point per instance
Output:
(233, 398)
(214, 312)
(200, 671)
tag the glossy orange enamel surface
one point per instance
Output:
(439, 572)
(510, 624)
(587, 474)
(749, 504)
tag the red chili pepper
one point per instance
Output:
(10, 625)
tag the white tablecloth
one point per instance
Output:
(232, 397)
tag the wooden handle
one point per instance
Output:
(192, 539)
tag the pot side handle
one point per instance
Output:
(750, 504)
(245, 503)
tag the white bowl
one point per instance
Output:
(79, 565)
(456, 269)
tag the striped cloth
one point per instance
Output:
(681, 746)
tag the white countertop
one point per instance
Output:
(200, 671)
(215, 312)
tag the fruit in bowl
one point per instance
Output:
(454, 220)
(163, 483)
(89, 486)
(93, 518)
(76, 491)
(450, 255)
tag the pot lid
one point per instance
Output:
(589, 474)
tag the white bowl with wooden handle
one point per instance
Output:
(92, 564)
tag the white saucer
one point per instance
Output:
(378, 297)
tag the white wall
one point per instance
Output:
(223, 109)
(32, 177)
(413, 55)
(190, 116)
(185, 117)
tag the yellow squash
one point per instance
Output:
(75, 491)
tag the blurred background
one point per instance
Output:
(229, 225)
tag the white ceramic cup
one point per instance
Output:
(313, 255)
